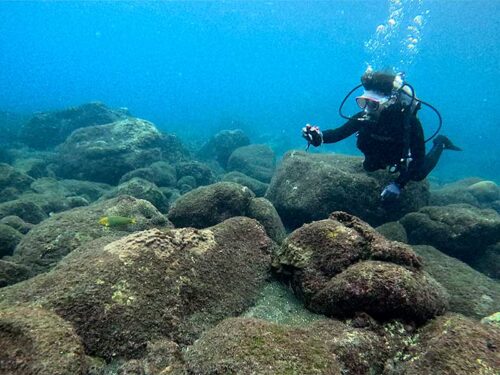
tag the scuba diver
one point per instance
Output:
(388, 130)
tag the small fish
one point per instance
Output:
(116, 221)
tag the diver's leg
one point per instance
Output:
(440, 143)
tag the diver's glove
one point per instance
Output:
(313, 135)
(391, 192)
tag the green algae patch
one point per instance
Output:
(122, 294)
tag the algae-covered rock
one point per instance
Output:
(90, 191)
(45, 130)
(383, 290)
(35, 341)
(11, 273)
(393, 231)
(452, 344)
(221, 146)
(54, 238)
(9, 238)
(258, 187)
(309, 187)
(471, 293)
(159, 173)
(264, 212)
(141, 189)
(460, 230)
(489, 262)
(26, 210)
(105, 153)
(209, 205)
(201, 173)
(17, 223)
(152, 285)
(251, 346)
(12, 182)
(341, 266)
(257, 161)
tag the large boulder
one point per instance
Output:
(264, 212)
(453, 344)
(37, 341)
(47, 243)
(141, 189)
(26, 210)
(473, 191)
(471, 293)
(251, 346)
(209, 205)
(200, 173)
(308, 187)
(221, 146)
(11, 273)
(257, 161)
(12, 182)
(152, 285)
(45, 130)
(341, 266)
(259, 188)
(9, 238)
(104, 153)
(160, 173)
(460, 230)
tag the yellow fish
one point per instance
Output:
(116, 221)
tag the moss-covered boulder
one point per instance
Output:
(152, 285)
(257, 161)
(460, 230)
(209, 205)
(471, 293)
(473, 191)
(489, 262)
(141, 189)
(341, 266)
(36, 341)
(454, 345)
(28, 211)
(104, 153)
(45, 130)
(252, 346)
(17, 223)
(264, 212)
(309, 187)
(9, 238)
(259, 188)
(221, 146)
(383, 290)
(159, 173)
(200, 173)
(47, 243)
(11, 273)
(12, 182)
(393, 231)
(88, 190)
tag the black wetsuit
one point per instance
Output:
(382, 143)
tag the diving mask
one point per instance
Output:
(371, 101)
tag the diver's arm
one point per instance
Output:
(342, 132)
(415, 170)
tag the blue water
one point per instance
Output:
(197, 67)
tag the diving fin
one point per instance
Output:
(446, 143)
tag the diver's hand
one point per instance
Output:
(391, 192)
(313, 135)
